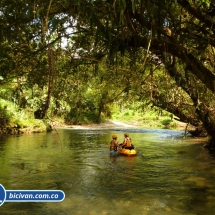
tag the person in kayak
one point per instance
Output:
(113, 144)
(127, 144)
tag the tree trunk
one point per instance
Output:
(204, 110)
(40, 114)
(51, 79)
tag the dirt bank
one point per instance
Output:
(110, 124)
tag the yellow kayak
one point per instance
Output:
(128, 152)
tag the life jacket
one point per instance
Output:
(128, 142)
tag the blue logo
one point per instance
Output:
(30, 195)
(2, 195)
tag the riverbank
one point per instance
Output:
(113, 124)
(15, 120)
(30, 125)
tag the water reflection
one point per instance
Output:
(169, 175)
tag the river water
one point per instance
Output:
(169, 175)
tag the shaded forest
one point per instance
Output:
(79, 59)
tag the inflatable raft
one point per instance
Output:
(128, 152)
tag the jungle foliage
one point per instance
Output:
(77, 59)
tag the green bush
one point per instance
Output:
(166, 121)
(4, 116)
(73, 117)
(12, 116)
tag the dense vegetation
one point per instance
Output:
(78, 60)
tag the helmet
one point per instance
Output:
(114, 136)
(126, 134)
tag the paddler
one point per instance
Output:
(127, 142)
(113, 144)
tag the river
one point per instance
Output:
(169, 175)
